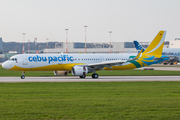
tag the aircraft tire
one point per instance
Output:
(95, 75)
(22, 77)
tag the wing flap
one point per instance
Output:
(107, 64)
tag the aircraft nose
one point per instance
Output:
(6, 65)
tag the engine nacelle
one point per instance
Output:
(61, 73)
(79, 70)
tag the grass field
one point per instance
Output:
(4, 72)
(90, 100)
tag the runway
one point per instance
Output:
(89, 79)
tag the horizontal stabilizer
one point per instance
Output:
(137, 57)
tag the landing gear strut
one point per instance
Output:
(95, 75)
(22, 77)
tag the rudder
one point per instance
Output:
(156, 46)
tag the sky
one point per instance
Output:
(127, 19)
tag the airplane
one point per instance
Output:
(173, 53)
(81, 64)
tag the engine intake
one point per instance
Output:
(79, 70)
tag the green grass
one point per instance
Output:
(90, 100)
(4, 72)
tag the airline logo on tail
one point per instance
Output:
(138, 46)
(156, 46)
(153, 54)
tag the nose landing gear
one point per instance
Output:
(22, 77)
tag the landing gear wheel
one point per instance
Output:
(82, 76)
(95, 75)
(22, 77)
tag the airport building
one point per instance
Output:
(174, 43)
(78, 47)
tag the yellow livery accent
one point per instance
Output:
(156, 46)
(55, 67)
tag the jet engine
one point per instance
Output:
(61, 73)
(79, 70)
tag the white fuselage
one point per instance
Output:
(42, 60)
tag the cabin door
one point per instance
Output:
(25, 61)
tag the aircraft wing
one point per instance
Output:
(107, 64)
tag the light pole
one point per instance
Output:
(35, 41)
(28, 46)
(23, 42)
(66, 40)
(110, 41)
(47, 43)
(85, 37)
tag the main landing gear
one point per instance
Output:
(22, 77)
(95, 75)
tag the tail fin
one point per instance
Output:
(138, 46)
(156, 46)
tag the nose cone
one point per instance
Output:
(7, 65)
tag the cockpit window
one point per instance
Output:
(12, 59)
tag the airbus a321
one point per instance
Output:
(81, 64)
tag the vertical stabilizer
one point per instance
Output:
(156, 46)
(138, 46)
